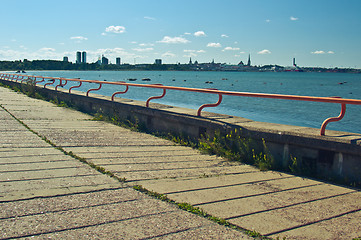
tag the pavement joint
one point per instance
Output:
(239, 196)
(39, 232)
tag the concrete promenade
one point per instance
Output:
(47, 194)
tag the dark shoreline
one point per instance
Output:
(53, 65)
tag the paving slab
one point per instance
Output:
(47, 194)
(272, 203)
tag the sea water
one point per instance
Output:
(300, 113)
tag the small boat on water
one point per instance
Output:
(132, 79)
(146, 79)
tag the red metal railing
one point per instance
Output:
(343, 102)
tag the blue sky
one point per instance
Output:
(315, 32)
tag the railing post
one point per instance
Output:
(39, 81)
(126, 90)
(210, 105)
(156, 97)
(94, 89)
(61, 84)
(50, 83)
(78, 86)
(333, 119)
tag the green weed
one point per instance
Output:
(198, 211)
(235, 147)
(29, 88)
(126, 123)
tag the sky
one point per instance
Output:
(318, 33)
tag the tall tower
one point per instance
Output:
(83, 57)
(117, 60)
(294, 62)
(105, 61)
(78, 57)
(249, 60)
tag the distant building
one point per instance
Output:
(158, 61)
(78, 57)
(190, 61)
(249, 60)
(117, 60)
(105, 61)
(65, 59)
(83, 57)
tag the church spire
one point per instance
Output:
(249, 60)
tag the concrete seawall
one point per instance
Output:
(336, 155)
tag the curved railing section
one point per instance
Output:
(220, 93)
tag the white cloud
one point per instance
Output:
(293, 18)
(168, 54)
(187, 33)
(318, 52)
(146, 44)
(111, 54)
(168, 39)
(322, 52)
(109, 51)
(265, 51)
(190, 55)
(224, 36)
(149, 18)
(45, 49)
(231, 49)
(194, 51)
(267, 20)
(216, 45)
(143, 49)
(200, 34)
(51, 53)
(43, 53)
(79, 38)
(115, 29)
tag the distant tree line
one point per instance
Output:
(62, 65)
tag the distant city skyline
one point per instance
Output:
(317, 33)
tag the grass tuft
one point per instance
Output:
(198, 211)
